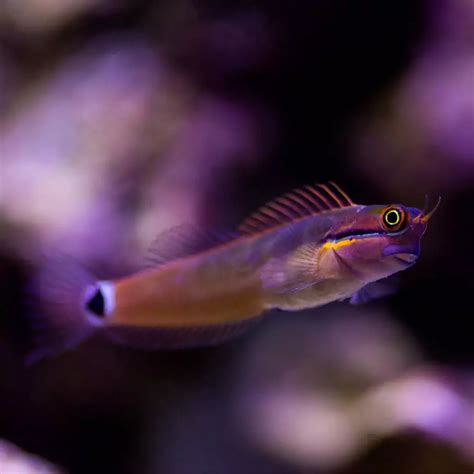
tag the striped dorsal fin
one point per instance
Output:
(182, 241)
(295, 205)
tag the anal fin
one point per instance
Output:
(179, 337)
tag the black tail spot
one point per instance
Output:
(96, 303)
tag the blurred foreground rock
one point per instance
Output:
(13, 460)
(319, 393)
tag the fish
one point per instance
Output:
(307, 248)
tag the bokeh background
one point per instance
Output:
(122, 118)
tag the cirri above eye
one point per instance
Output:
(393, 219)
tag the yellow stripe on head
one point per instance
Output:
(338, 244)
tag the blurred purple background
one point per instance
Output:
(120, 119)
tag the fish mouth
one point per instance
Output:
(407, 258)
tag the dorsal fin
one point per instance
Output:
(182, 241)
(298, 204)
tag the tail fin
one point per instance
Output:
(65, 309)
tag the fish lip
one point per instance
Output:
(407, 258)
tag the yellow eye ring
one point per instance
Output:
(393, 218)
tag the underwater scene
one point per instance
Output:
(236, 237)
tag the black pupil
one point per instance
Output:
(96, 304)
(391, 218)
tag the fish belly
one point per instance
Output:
(321, 293)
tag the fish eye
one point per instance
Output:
(393, 218)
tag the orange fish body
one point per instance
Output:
(195, 291)
(305, 249)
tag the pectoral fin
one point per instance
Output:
(291, 273)
(373, 291)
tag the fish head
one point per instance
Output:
(379, 240)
